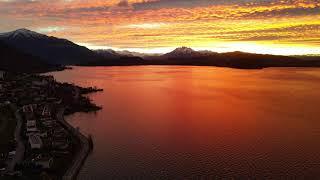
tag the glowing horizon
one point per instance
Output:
(286, 27)
(249, 48)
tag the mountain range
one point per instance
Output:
(52, 50)
(126, 53)
(242, 60)
(16, 61)
(32, 48)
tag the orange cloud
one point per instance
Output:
(164, 23)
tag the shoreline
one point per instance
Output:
(45, 139)
(81, 155)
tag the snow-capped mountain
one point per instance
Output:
(107, 53)
(124, 53)
(137, 54)
(51, 49)
(22, 33)
(185, 52)
(182, 52)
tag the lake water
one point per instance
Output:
(178, 122)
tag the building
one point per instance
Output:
(35, 142)
(31, 123)
(2, 74)
(41, 82)
(29, 108)
(32, 130)
(45, 163)
(31, 127)
(46, 111)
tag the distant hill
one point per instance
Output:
(188, 56)
(184, 52)
(124, 53)
(113, 58)
(312, 57)
(108, 53)
(52, 50)
(14, 60)
(137, 54)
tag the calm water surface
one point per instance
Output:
(186, 122)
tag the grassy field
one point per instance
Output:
(7, 128)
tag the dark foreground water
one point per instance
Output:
(188, 122)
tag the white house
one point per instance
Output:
(35, 142)
(31, 123)
(32, 127)
(46, 111)
(2, 74)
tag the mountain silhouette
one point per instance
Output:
(242, 60)
(16, 61)
(50, 49)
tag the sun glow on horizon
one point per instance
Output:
(228, 47)
(286, 27)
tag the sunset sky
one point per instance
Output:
(262, 26)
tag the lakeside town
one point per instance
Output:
(36, 141)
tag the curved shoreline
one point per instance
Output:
(81, 155)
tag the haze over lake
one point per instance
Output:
(180, 122)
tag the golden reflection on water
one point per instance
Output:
(210, 120)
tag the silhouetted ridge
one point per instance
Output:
(14, 60)
(55, 51)
(188, 56)
(50, 49)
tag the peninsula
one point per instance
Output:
(39, 143)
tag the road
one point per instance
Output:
(18, 158)
(82, 154)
